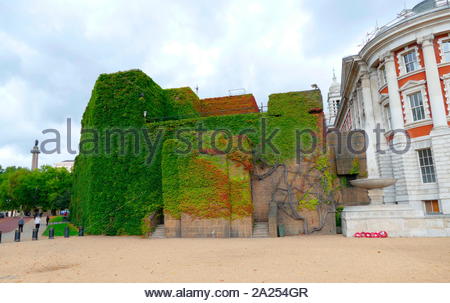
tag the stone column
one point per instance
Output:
(372, 165)
(377, 109)
(383, 158)
(399, 140)
(440, 135)
(35, 156)
(395, 103)
(375, 195)
(433, 82)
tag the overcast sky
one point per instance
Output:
(51, 53)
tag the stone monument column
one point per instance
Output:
(35, 156)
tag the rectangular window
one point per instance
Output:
(446, 51)
(432, 207)
(411, 61)
(427, 165)
(417, 109)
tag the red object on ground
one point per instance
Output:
(10, 224)
(381, 234)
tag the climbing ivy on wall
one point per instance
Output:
(319, 183)
(185, 103)
(115, 192)
(206, 183)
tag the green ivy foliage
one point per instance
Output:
(186, 104)
(206, 183)
(114, 193)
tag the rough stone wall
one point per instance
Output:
(348, 150)
(262, 194)
(343, 160)
(241, 228)
(204, 228)
(172, 226)
(207, 195)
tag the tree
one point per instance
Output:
(7, 202)
(58, 185)
(26, 188)
(47, 188)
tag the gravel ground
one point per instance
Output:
(290, 259)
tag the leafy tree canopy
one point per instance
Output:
(22, 189)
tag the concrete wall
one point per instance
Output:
(396, 220)
(242, 228)
(189, 227)
(262, 194)
(204, 228)
(172, 226)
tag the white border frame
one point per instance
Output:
(420, 168)
(441, 50)
(401, 61)
(446, 79)
(440, 213)
(408, 89)
(380, 75)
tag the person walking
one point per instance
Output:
(47, 219)
(21, 223)
(37, 222)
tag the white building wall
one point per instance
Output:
(403, 213)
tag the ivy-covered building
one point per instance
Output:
(153, 157)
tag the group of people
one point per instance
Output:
(37, 222)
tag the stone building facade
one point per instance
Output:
(397, 89)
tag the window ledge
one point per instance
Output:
(437, 216)
(417, 71)
(442, 64)
(418, 123)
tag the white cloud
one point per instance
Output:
(51, 52)
(11, 155)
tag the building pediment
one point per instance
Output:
(412, 84)
(445, 77)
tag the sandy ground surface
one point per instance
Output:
(292, 259)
